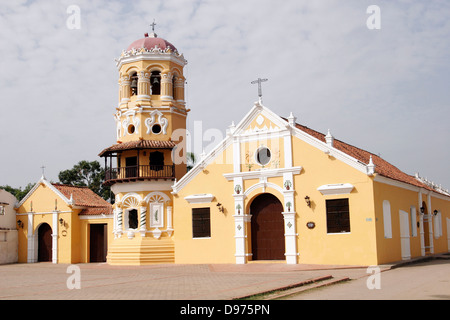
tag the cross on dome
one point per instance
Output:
(153, 25)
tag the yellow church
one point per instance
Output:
(272, 191)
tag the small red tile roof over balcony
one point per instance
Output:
(150, 42)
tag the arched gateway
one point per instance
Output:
(267, 228)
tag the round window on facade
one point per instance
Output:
(156, 129)
(263, 156)
(131, 129)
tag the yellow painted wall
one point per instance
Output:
(220, 248)
(441, 244)
(73, 239)
(389, 250)
(315, 245)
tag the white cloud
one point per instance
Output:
(382, 90)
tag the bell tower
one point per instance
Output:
(147, 158)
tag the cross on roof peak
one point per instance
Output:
(259, 82)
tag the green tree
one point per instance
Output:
(86, 174)
(19, 193)
(191, 160)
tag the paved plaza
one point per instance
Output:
(46, 281)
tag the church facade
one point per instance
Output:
(272, 190)
(277, 190)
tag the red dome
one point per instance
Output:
(150, 42)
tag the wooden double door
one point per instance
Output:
(267, 228)
(98, 242)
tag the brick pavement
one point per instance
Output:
(46, 281)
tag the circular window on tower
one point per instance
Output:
(131, 129)
(263, 156)
(156, 129)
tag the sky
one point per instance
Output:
(378, 80)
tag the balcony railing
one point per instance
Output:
(134, 173)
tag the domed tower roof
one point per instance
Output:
(151, 47)
(152, 42)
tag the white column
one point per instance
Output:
(288, 151)
(240, 221)
(236, 155)
(421, 230)
(290, 225)
(119, 212)
(143, 220)
(55, 237)
(240, 234)
(290, 237)
(143, 86)
(166, 84)
(430, 223)
(32, 253)
(169, 221)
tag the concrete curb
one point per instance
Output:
(292, 286)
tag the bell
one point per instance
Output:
(155, 80)
(134, 84)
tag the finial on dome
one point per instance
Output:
(153, 34)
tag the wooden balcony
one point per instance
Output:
(139, 173)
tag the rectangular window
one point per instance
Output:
(338, 216)
(201, 223)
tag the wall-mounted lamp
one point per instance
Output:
(62, 222)
(435, 212)
(308, 201)
(20, 224)
(220, 207)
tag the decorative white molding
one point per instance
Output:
(96, 217)
(200, 198)
(156, 197)
(335, 189)
(156, 54)
(329, 139)
(268, 173)
(156, 215)
(162, 121)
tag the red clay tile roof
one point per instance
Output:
(140, 144)
(85, 197)
(382, 167)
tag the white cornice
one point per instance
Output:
(407, 186)
(263, 173)
(335, 189)
(200, 198)
(98, 216)
(130, 57)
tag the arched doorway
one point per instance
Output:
(44, 243)
(267, 228)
